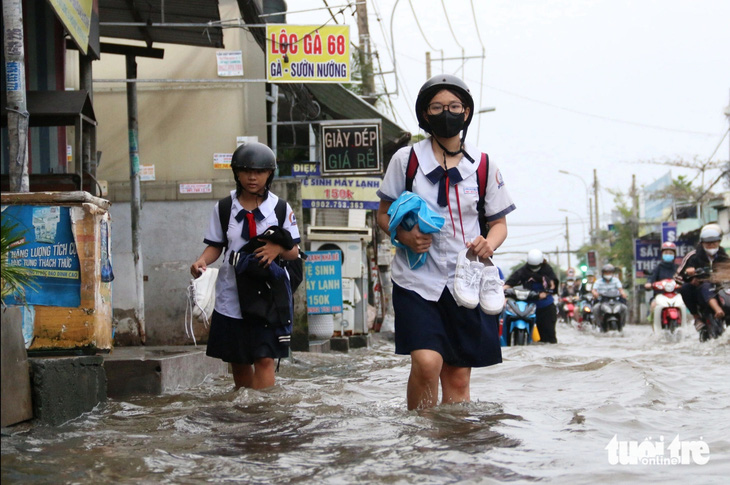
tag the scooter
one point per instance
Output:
(568, 308)
(519, 317)
(669, 312)
(714, 327)
(612, 311)
(585, 312)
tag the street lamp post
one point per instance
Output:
(588, 198)
(487, 109)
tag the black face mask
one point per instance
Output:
(446, 124)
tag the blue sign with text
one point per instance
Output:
(324, 282)
(49, 250)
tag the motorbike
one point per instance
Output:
(519, 317)
(715, 327)
(669, 312)
(585, 311)
(612, 311)
(568, 308)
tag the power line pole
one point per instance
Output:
(364, 54)
(15, 95)
(428, 64)
(595, 199)
(567, 238)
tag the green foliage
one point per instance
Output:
(14, 279)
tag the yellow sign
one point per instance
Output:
(307, 53)
(75, 15)
(340, 193)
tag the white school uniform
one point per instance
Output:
(430, 279)
(226, 292)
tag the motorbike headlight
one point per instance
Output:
(670, 285)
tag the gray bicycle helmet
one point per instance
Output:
(608, 268)
(433, 86)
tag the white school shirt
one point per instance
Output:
(438, 272)
(226, 292)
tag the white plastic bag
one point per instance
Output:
(201, 300)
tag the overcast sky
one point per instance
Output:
(577, 86)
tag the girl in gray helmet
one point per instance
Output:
(249, 345)
(445, 337)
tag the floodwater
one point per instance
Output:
(547, 414)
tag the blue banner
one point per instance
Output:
(649, 255)
(669, 232)
(50, 250)
(324, 282)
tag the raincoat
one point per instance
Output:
(408, 210)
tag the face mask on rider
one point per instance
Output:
(711, 251)
(667, 258)
(608, 277)
(446, 124)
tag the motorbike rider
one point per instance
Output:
(665, 270)
(586, 288)
(608, 282)
(538, 275)
(696, 292)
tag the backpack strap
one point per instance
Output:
(224, 215)
(482, 172)
(411, 170)
(280, 211)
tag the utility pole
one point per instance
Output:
(567, 238)
(135, 205)
(15, 95)
(595, 199)
(428, 64)
(634, 235)
(366, 64)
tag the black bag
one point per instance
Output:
(295, 267)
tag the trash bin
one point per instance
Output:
(67, 244)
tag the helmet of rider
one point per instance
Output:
(710, 233)
(669, 251)
(608, 269)
(253, 156)
(535, 259)
(590, 272)
(430, 88)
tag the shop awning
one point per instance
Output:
(55, 108)
(342, 104)
(166, 12)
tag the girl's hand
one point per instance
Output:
(268, 253)
(414, 239)
(197, 268)
(481, 247)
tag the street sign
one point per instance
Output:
(669, 232)
(307, 53)
(324, 281)
(340, 193)
(351, 148)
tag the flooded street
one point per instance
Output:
(546, 414)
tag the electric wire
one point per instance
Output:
(574, 111)
(448, 22)
(419, 26)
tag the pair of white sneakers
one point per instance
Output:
(476, 283)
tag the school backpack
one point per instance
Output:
(482, 172)
(294, 267)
